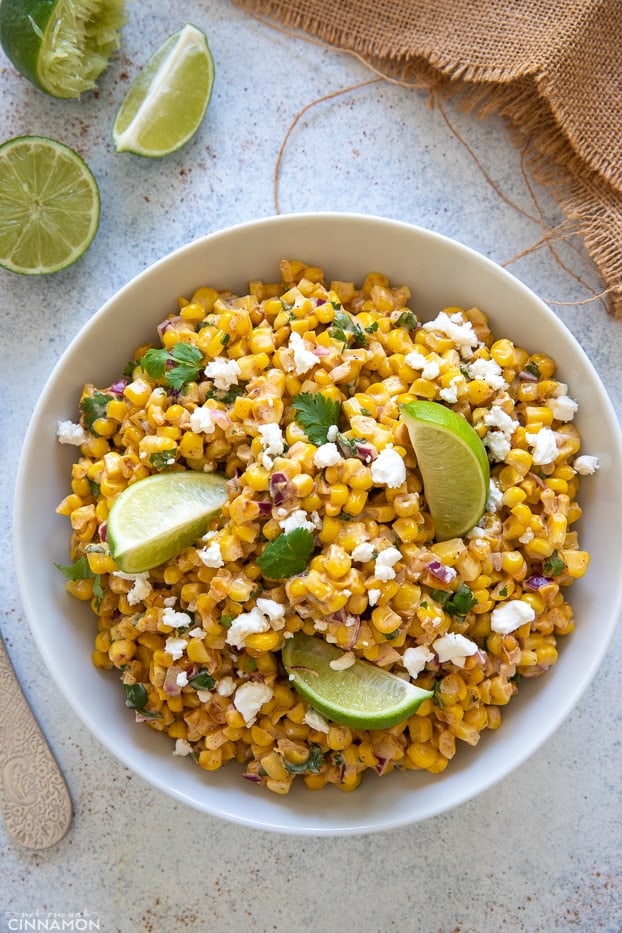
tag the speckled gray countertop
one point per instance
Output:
(542, 851)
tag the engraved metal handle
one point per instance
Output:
(33, 795)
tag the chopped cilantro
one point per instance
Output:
(80, 570)
(316, 414)
(312, 765)
(93, 407)
(94, 487)
(202, 681)
(176, 367)
(286, 555)
(224, 339)
(226, 620)
(344, 327)
(532, 368)
(456, 603)
(162, 459)
(372, 328)
(437, 699)
(553, 565)
(136, 698)
(407, 319)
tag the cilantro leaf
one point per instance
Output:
(553, 565)
(456, 603)
(136, 697)
(532, 368)
(286, 555)
(344, 327)
(316, 414)
(176, 367)
(202, 681)
(93, 407)
(80, 570)
(162, 459)
(407, 319)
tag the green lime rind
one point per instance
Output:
(362, 696)
(155, 518)
(61, 46)
(167, 101)
(49, 205)
(453, 464)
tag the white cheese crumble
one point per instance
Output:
(563, 407)
(495, 498)
(383, 568)
(458, 330)
(211, 556)
(176, 619)
(316, 721)
(326, 455)
(201, 421)
(247, 623)
(304, 359)
(544, 446)
(373, 596)
(182, 679)
(489, 372)
(224, 373)
(415, 659)
(363, 552)
(69, 433)
(331, 434)
(270, 608)
(585, 464)
(450, 393)
(182, 748)
(272, 443)
(175, 646)
(511, 615)
(388, 469)
(455, 648)
(298, 519)
(141, 588)
(346, 660)
(498, 440)
(249, 698)
(225, 686)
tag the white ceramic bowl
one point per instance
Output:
(440, 273)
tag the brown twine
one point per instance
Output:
(422, 77)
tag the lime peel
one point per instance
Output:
(453, 464)
(362, 696)
(156, 517)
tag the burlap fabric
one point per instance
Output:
(552, 68)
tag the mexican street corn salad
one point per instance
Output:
(293, 392)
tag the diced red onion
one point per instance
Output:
(280, 488)
(441, 571)
(250, 776)
(265, 508)
(382, 765)
(103, 532)
(536, 580)
(119, 386)
(170, 685)
(366, 452)
(525, 376)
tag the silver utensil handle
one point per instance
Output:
(33, 795)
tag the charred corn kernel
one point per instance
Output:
(421, 754)
(502, 352)
(385, 620)
(101, 660)
(538, 415)
(576, 562)
(117, 409)
(336, 561)
(100, 562)
(105, 427)
(355, 502)
(478, 391)
(69, 504)
(122, 651)
(264, 641)
(272, 764)
(546, 366)
(196, 651)
(538, 548)
(102, 641)
(407, 529)
(338, 495)
(137, 392)
(535, 601)
(338, 737)
(177, 730)
(210, 759)
(513, 496)
(424, 388)
(522, 513)
(407, 597)
(546, 655)
(520, 459)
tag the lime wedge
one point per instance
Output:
(453, 464)
(157, 517)
(166, 103)
(49, 205)
(362, 696)
(62, 46)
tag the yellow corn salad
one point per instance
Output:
(196, 641)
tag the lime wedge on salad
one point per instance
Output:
(49, 205)
(158, 516)
(361, 696)
(165, 105)
(61, 46)
(453, 464)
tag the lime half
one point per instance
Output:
(49, 205)
(362, 696)
(453, 464)
(158, 516)
(165, 105)
(62, 46)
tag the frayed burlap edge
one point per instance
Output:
(591, 205)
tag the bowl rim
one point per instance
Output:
(20, 543)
